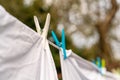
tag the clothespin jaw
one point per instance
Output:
(62, 43)
(43, 31)
(46, 26)
(55, 39)
(37, 25)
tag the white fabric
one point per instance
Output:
(24, 55)
(77, 68)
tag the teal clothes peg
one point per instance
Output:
(99, 62)
(62, 43)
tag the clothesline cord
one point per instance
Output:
(52, 44)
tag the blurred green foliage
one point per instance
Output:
(25, 13)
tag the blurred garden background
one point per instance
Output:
(92, 27)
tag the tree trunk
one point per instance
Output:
(103, 28)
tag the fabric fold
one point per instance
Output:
(24, 54)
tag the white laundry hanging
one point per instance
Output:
(47, 66)
(24, 54)
(77, 68)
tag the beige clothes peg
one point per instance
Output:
(46, 26)
(45, 29)
(46, 58)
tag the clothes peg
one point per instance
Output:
(99, 62)
(45, 30)
(103, 63)
(103, 66)
(62, 43)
